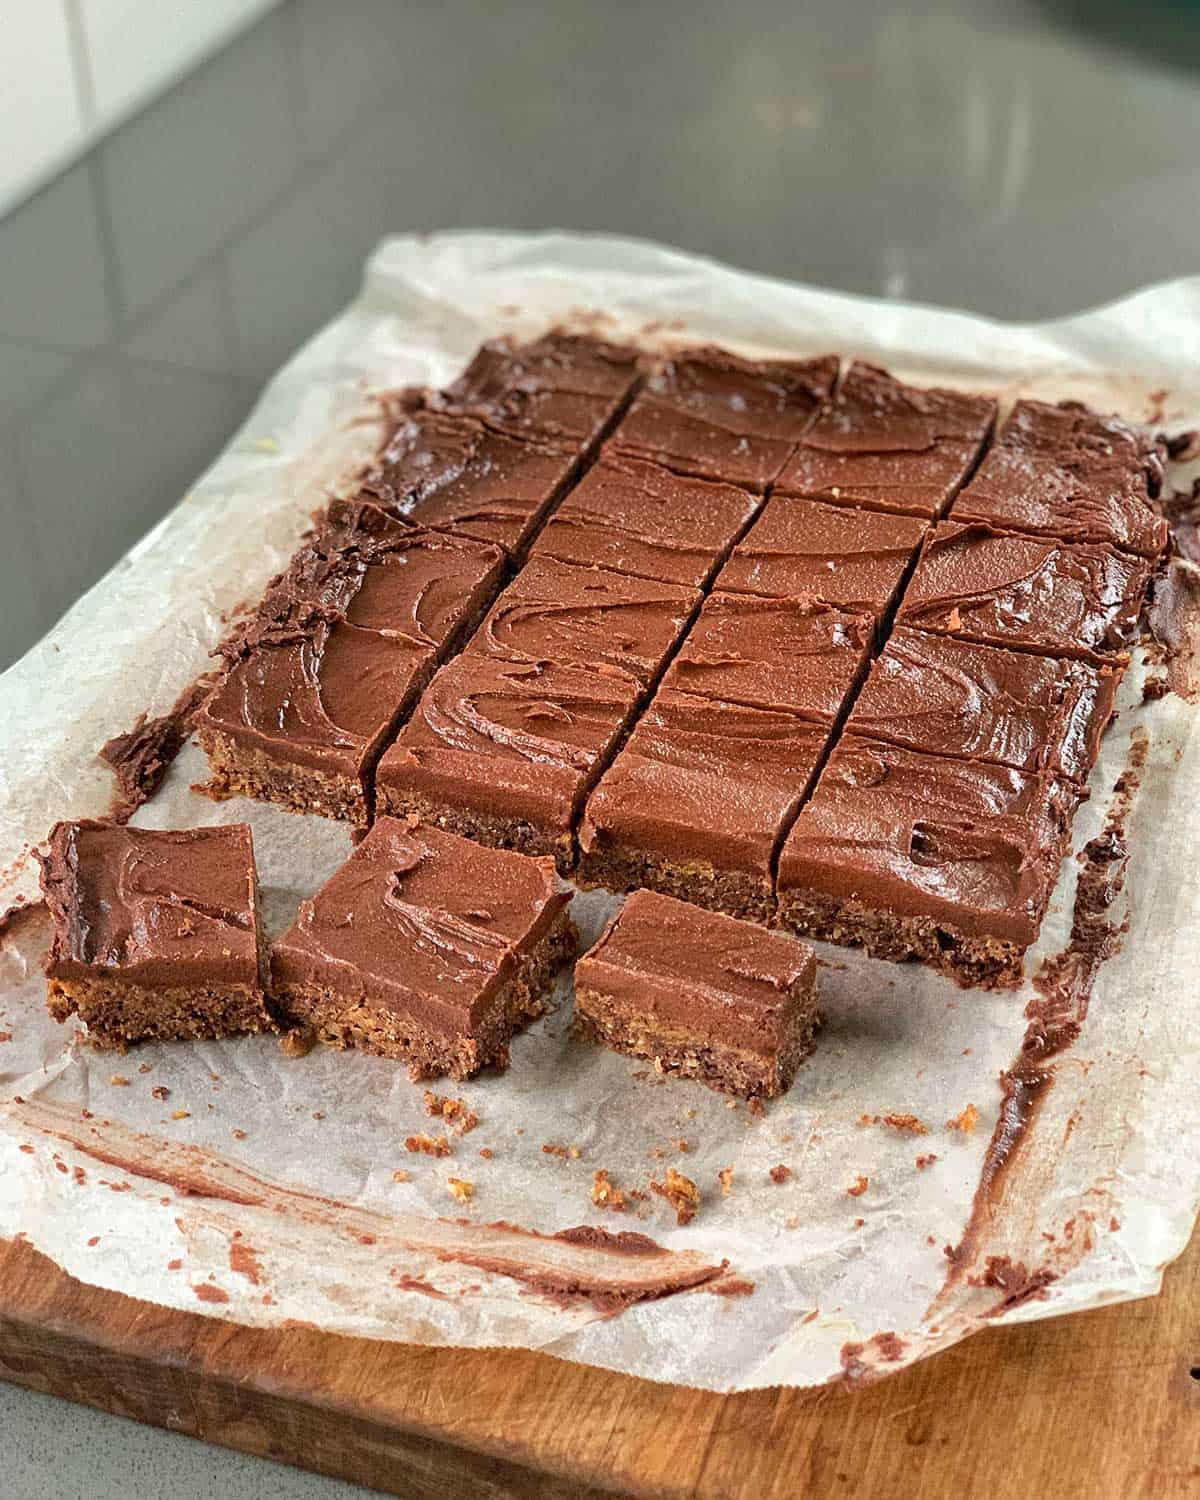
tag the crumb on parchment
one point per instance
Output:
(681, 1193)
(966, 1122)
(925, 1160)
(779, 1174)
(605, 1194)
(428, 1145)
(119, 1081)
(861, 1184)
(556, 1148)
(400, 1175)
(461, 1189)
(725, 1178)
(453, 1111)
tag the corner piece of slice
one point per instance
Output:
(642, 519)
(697, 801)
(335, 658)
(156, 933)
(505, 752)
(912, 856)
(715, 415)
(854, 559)
(1029, 593)
(454, 474)
(884, 445)
(948, 697)
(700, 995)
(563, 389)
(1066, 471)
(427, 948)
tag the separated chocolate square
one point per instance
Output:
(915, 856)
(642, 519)
(156, 933)
(427, 948)
(1067, 472)
(700, 995)
(712, 414)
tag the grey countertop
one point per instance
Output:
(1023, 158)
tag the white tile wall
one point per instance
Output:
(71, 69)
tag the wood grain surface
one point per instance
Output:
(1099, 1404)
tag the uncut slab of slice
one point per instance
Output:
(943, 695)
(156, 934)
(1068, 472)
(709, 413)
(454, 474)
(696, 802)
(915, 856)
(1025, 592)
(854, 559)
(643, 519)
(884, 445)
(336, 657)
(563, 389)
(794, 655)
(505, 752)
(427, 948)
(700, 995)
(589, 618)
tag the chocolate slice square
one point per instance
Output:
(561, 389)
(427, 948)
(454, 474)
(697, 801)
(884, 445)
(642, 519)
(795, 655)
(854, 559)
(712, 414)
(943, 695)
(505, 751)
(1030, 593)
(337, 655)
(1068, 472)
(700, 995)
(915, 856)
(591, 618)
(156, 933)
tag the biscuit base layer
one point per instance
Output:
(376, 1028)
(729, 1069)
(118, 1014)
(496, 832)
(972, 962)
(237, 772)
(737, 893)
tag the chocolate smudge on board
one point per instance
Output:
(1064, 985)
(141, 757)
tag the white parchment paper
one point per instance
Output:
(263, 1188)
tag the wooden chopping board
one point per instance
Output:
(1105, 1403)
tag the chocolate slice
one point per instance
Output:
(455, 474)
(795, 655)
(156, 933)
(701, 995)
(335, 658)
(1032, 593)
(427, 948)
(854, 559)
(709, 413)
(885, 445)
(943, 695)
(696, 802)
(562, 389)
(642, 519)
(916, 856)
(1065, 471)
